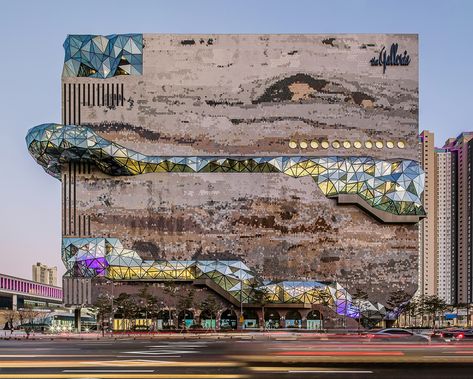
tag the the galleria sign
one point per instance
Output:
(392, 59)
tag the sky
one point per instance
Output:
(32, 55)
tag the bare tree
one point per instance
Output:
(103, 310)
(433, 305)
(27, 317)
(127, 306)
(185, 301)
(210, 305)
(397, 301)
(12, 318)
(359, 299)
(260, 296)
(171, 289)
(148, 303)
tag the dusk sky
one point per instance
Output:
(32, 56)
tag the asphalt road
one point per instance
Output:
(234, 356)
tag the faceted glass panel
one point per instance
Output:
(103, 56)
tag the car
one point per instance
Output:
(456, 334)
(398, 334)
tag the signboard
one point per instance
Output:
(392, 59)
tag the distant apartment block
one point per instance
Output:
(427, 239)
(44, 274)
(445, 236)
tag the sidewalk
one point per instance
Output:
(281, 334)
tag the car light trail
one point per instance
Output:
(340, 353)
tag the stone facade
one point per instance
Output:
(251, 95)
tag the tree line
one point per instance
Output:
(147, 306)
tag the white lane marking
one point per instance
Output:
(103, 371)
(39, 348)
(161, 356)
(159, 352)
(180, 346)
(98, 343)
(460, 356)
(329, 372)
(19, 356)
(173, 347)
(124, 362)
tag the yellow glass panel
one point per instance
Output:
(122, 161)
(315, 170)
(389, 186)
(323, 187)
(357, 144)
(299, 171)
(346, 144)
(368, 144)
(394, 166)
(120, 153)
(307, 164)
(292, 171)
(292, 144)
(370, 169)
(352, 188)
(327, 187)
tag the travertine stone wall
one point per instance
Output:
(283, 227)
(250, 95)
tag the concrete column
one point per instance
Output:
(77, 320)
(304, 313)
(15, 302)
(197, 318)
(175, 318)
(259, 315)
(217, 319)
(282, 321)
(239, 316)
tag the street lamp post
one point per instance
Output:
(111, 309)
(145, 306)
(242, 320)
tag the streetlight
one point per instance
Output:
(145, 306)
(241, 306)
(111, 308)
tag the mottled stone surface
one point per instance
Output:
(283, 227)
(250, 95)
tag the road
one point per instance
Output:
(281, 355)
